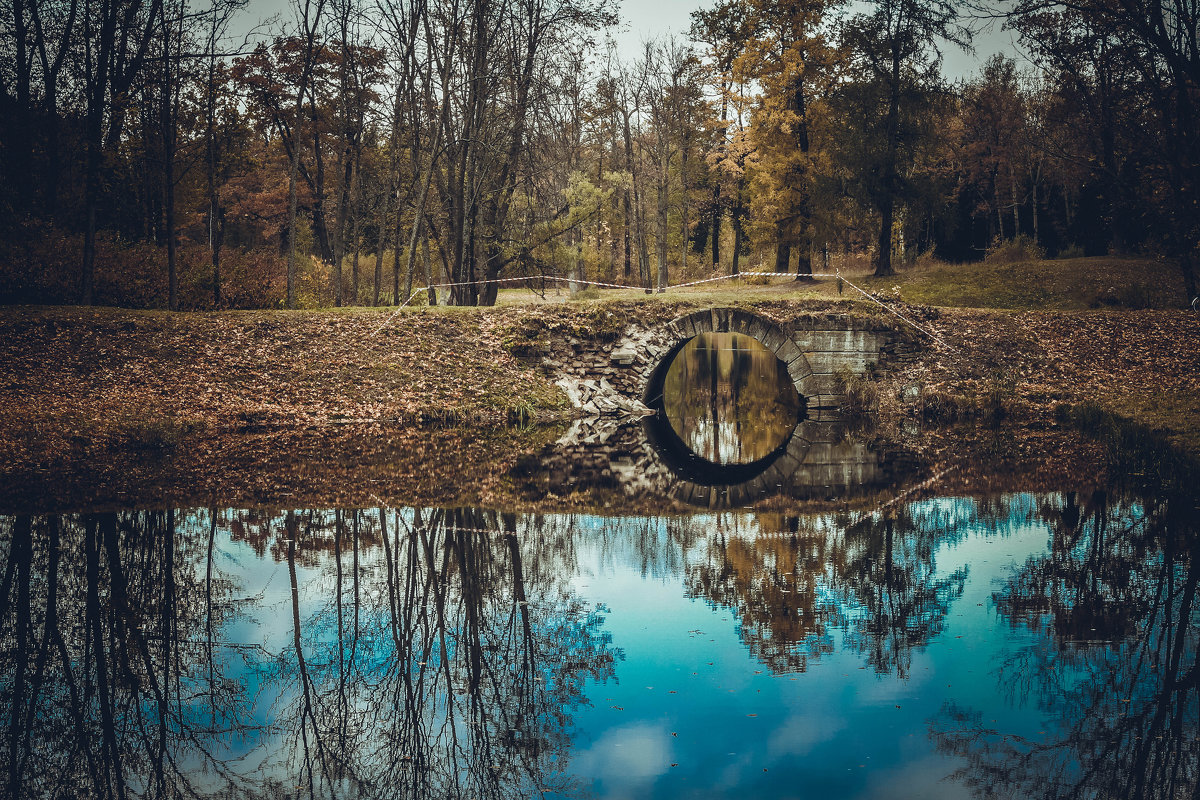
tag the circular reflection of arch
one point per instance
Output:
(727, 411)
(699, 482)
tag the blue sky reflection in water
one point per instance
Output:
(1039, 645)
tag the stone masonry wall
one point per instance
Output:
(611, 377)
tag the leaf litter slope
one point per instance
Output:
(77, 385)
(102, 374)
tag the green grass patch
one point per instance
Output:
(1058, 284)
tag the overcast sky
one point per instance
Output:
(643, 19)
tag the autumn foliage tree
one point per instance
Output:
(349, 153)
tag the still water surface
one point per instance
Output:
(1024, 645)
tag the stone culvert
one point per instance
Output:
(607, 378)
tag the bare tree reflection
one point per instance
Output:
(1115, 666)
(888, 583)
(105, 691)
(430, 654)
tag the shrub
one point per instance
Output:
(860, 394)
(1020, 248)
(39, 264)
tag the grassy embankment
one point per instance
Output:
(1122, 342)
(1028, 338)
(1027, 335)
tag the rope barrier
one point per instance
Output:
(700, 282)
(886, 307)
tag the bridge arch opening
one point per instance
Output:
(730, 390)
(728, 399)
(681, 330)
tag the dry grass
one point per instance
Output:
(1058, 284)
(1012, 277)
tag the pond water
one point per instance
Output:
(808, 621)
(1029, 645)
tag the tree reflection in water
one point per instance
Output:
(1114, 607)
(872, 580)
(415, 653)
(730, 399)
(445, 663)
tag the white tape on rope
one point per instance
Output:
(601, 284)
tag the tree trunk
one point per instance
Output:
(428, 270)
(635, 212)
(310, 32)
(1189, 275)
(715, 223)
(887, 204)
(396, 255)
(627, 233)
(1034, 190)
(418, 217)
(736, 218)
(683, 212)
(883, 256)
(291, 234)
(664, 190)
(339, 232)
(804, 262)
(380, 241)
(783, 255)
(573, 271)
(355, 221)
(167, 120)
(1016, 205)
(999, 211)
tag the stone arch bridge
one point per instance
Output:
(625, 376)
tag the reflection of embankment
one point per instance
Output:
(323, 466)
(628, 463)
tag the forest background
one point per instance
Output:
(153, 153)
